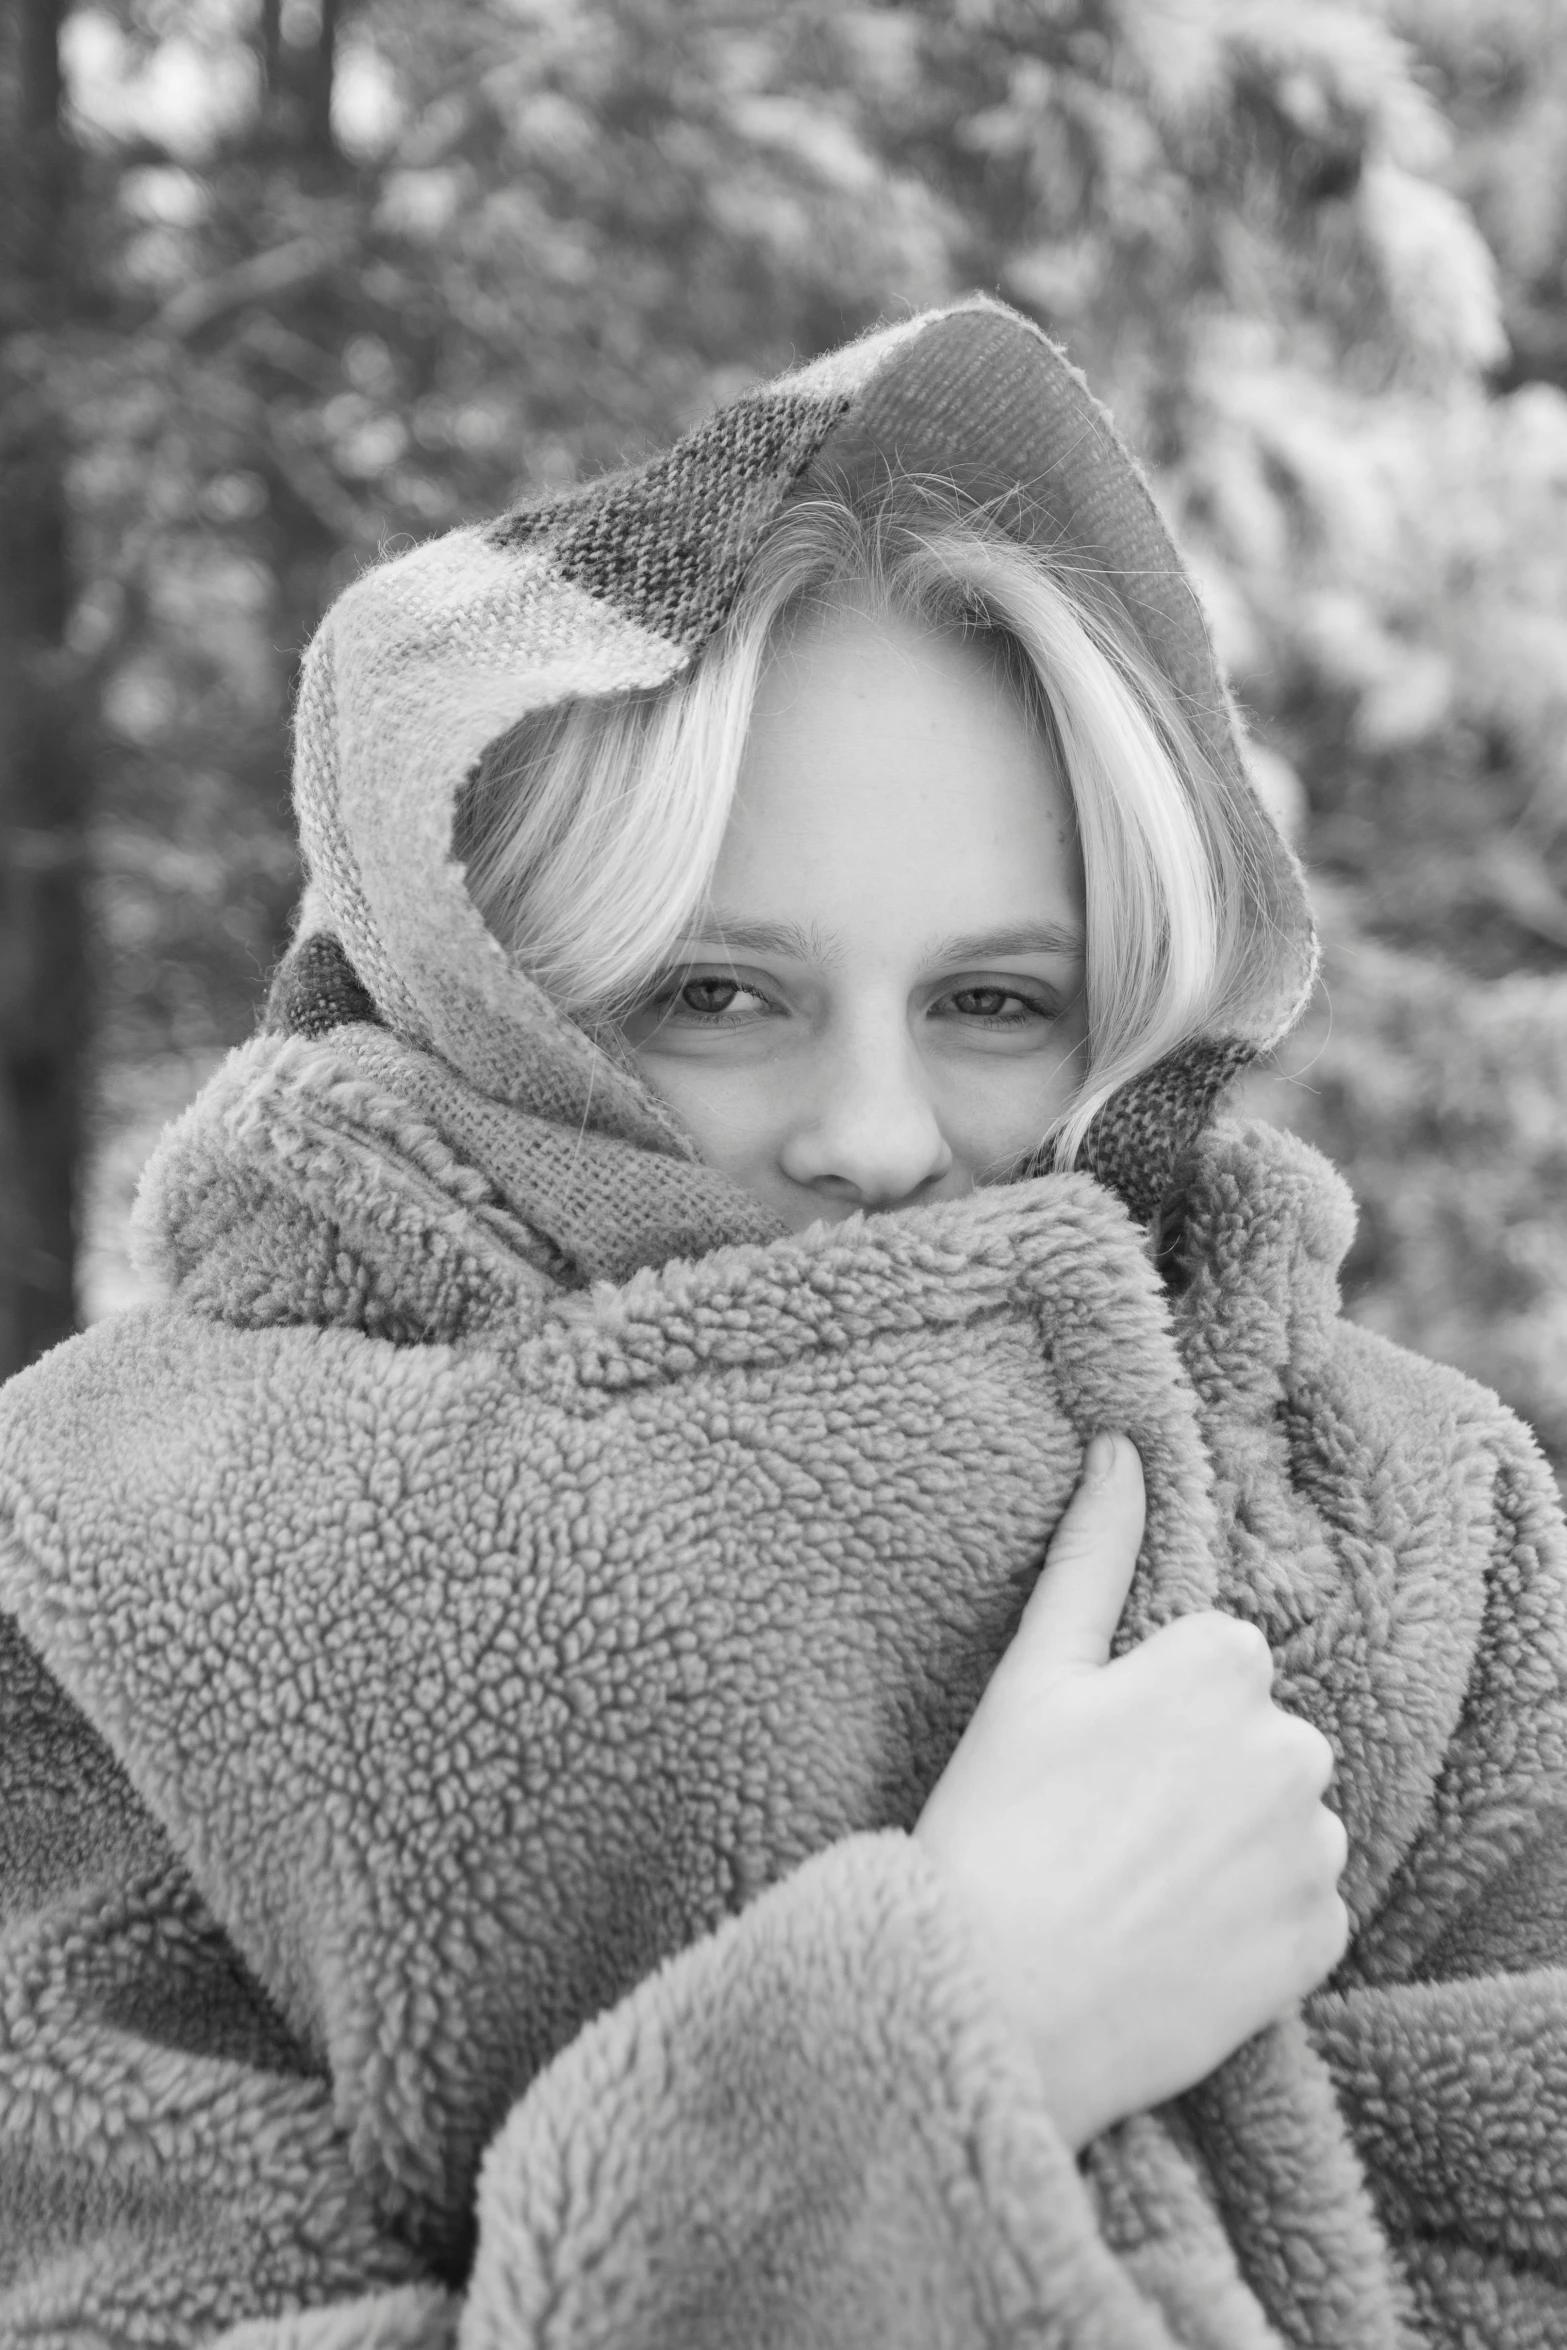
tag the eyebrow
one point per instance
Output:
(801, 942)
(804, 943)
(1023, 938)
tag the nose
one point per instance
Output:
(866, 1131)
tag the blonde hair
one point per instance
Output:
(591, 831)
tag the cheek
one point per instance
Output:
(726, 1111)
(998, 1109)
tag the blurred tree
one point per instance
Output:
(1499, 75)
(43, 768)
(1454, 1129)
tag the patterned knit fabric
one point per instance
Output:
(317, 989)
(617, 587)
(670, 543)
(1140, 1138)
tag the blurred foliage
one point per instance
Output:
(1444, 1099)
(346, 280)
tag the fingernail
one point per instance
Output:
(1099, 1459)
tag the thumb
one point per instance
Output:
(1076, 1604)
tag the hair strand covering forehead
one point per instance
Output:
(615, 587)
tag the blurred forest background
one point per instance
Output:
(285, 283)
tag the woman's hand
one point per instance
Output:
(1142, 1846)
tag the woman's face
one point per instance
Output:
(884, 1003)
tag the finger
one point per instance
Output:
(1076, 1604)
(1333, 1837)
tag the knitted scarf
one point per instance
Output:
(617, 587)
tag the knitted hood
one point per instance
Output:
(616, 587)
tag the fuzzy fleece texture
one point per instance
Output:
(470, 1657)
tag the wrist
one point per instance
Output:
(1051, 2034)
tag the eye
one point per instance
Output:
(998, 1007)
(711, 997)
(707, 999)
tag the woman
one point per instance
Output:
(536, 1810)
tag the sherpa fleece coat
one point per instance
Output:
(471, 1656)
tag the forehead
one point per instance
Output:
(907, 671)
(891, 764)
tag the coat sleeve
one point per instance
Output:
(1449, 2045)
(810, 2126)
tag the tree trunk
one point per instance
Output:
(319, 141)
(43, 774)
(270, 25)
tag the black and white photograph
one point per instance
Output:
(783, 1175)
